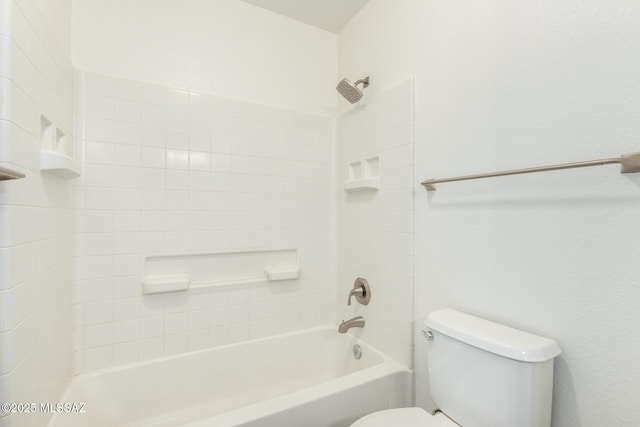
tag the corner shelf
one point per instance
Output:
(363, 184)
(59, 164)
(55, 152)
(364, 175)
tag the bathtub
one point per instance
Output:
(308, 378)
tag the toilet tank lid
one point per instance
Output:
(493, 337)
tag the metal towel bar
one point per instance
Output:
(629, 163)
(6, 174)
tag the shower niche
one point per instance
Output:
(363, 175)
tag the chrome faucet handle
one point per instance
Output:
(361, 291)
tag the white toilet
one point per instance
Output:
(481, 374)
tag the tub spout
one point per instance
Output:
(356, 322)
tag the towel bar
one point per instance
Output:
(7, 174)
(629, 163)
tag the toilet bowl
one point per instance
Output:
(477, 368)
(405, 417)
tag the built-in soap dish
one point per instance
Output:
(364, 175)
(59, 164)
(165, 283)
(55, 152)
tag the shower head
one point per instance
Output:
(350, 90)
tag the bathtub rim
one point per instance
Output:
(386, 367)
(132, 365)
(307, 395)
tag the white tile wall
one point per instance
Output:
(169, 171)
(36, 78)
(375, 228)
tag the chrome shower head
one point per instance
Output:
(350, 90)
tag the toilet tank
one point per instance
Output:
(483, 374)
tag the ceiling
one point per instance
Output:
(330, 15)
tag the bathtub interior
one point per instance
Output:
(179, 389)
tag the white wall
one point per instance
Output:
(502, 85)
(173, 172)
(36, 78)
(226, 48)
(375, 227)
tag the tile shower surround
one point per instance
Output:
(376, 227)
(171, 171)
(36, 80)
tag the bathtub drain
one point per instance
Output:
(357, 351)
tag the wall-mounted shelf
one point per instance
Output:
(8, 174)
(56, 151)
(59, 164)
(180, 272)
(167, 283)
(364, 175)
(363, 184)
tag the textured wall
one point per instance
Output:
(172, 172)
(36, 78)
(504, 85)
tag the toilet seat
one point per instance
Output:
(405, 417)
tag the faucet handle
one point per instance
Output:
(357, 292)
(361, 291)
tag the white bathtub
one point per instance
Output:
(309, 379)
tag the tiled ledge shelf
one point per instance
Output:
(7, 174)
(181, 272)
(363, 184)
(59, 164)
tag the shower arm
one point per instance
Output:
(365, 82)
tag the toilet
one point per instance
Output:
(481, 374)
